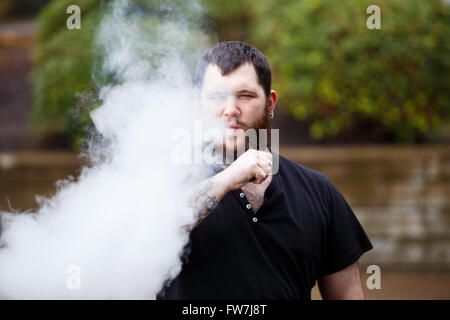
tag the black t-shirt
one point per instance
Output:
(304, 229)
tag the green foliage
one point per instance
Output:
(63, 63)
(331, 70)
(67, 72)
(328, 68)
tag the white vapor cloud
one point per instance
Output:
(121, 220)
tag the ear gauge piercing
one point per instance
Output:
(271, 114)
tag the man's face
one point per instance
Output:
(238, 99)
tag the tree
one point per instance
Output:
(63, 63)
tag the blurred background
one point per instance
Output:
(369, 108)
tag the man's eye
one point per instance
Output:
(245, 95)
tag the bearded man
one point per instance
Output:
(262, 234)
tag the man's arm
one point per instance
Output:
(342, 285)
(208, 193)
(205, 197)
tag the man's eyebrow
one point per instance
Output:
(247, 91)
(225, 92)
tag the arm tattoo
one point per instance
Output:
(203, 202)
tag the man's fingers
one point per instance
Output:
(260, 175)
(263, 162)
(265, 158)
(266, 166)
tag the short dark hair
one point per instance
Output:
(230, 55)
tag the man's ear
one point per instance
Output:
(273, 98)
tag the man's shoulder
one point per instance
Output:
(296, 170)
(301, 177)
(306, 186)
(298, 175)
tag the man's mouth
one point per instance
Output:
(234, 126)
(234, 130)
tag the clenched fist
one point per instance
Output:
(251, 164)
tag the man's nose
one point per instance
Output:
(231, 108)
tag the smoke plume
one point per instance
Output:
(119, 225)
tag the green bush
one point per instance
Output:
(328, 68)
(391, 84)
(67, 71)
(62, 69)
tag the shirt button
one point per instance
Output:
(248, 206)
(255, 219)
(242, 195)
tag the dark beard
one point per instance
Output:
(264, 122)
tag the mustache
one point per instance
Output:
(237, 122)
